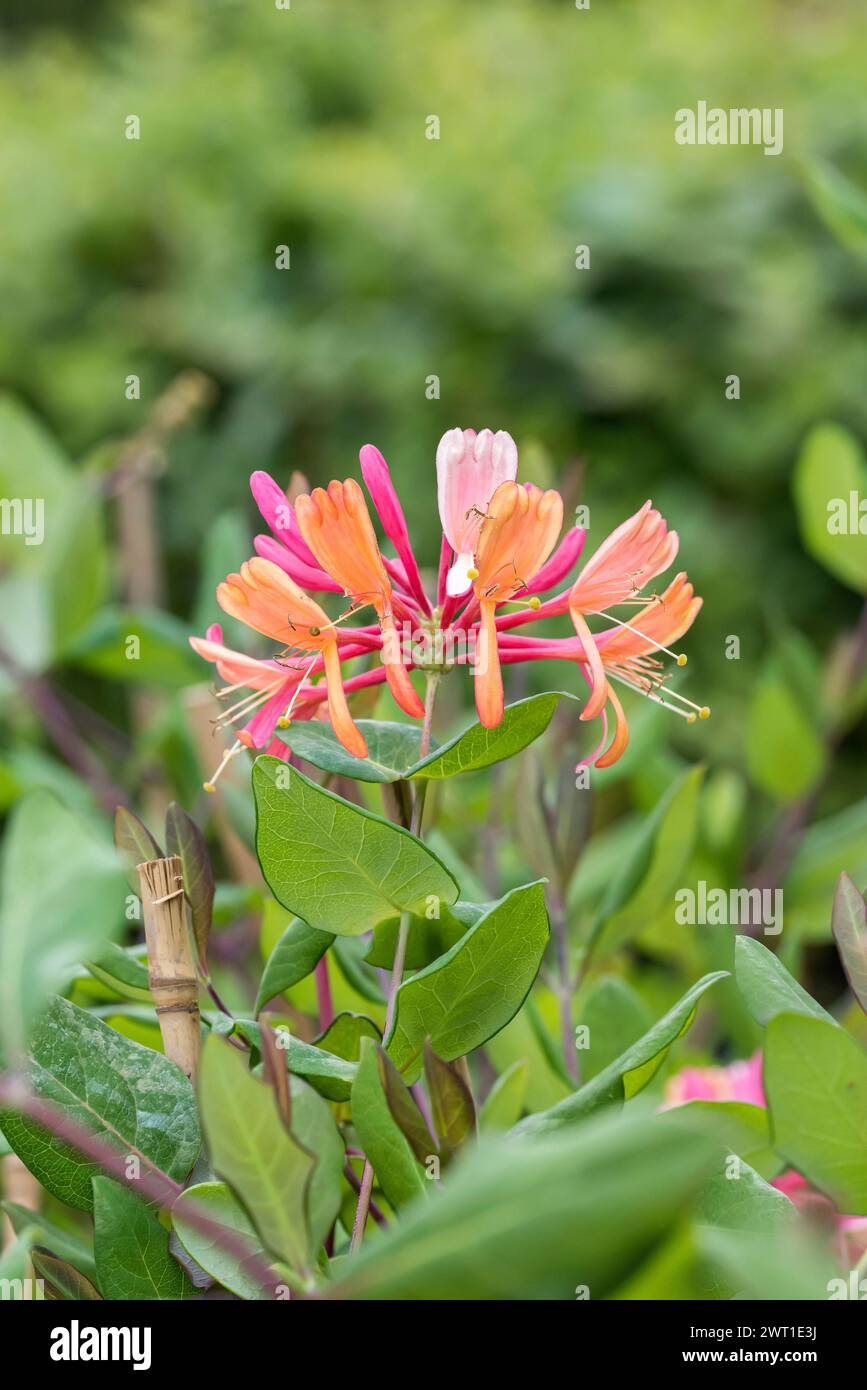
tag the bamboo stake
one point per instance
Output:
(172, 973)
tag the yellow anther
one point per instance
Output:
(472, 573)
(704, 712)
(535, 603)
(283, 722)
(681, 660)
(208, 787)
(691, 718)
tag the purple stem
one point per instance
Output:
(324, 1001)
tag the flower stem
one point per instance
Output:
(324, 1003)
(397, 968)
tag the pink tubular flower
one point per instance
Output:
(499, 556)
(470, 468)
(742, 1081)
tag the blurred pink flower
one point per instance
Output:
(738, 1081)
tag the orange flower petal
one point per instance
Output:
(488, 677)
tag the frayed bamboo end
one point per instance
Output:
(173, 981)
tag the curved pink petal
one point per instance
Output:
(279, 514)
(308, 576)
(377, 477)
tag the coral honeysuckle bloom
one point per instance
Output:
(499, 555)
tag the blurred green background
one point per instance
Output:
(453, 258)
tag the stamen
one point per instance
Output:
(651, 694)
(679, 657)
(286, 717)
(229, 754)
(250, 702)
(703, 711)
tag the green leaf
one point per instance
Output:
(840, 202)
(849, 925)
(343, 1035)
(504, 1103)
(392, 749)
(532, 1221)
(337, 867)
(218, 1203)
(829, 470)
(788, 1263)
(251, 1148)
(470, 993)
(777, 727)
(386, 1147)
(62, 1280)
(314, 1127)
(161, 654)
(630, 1073)
(766, 985)
(15, 1259)
(185, 839)
(295, 956)
(815, 1079)
(744, 1203)
(331, 1076)
(131, 1097)
(427, 939)
(66, 572)
(62, 899)
(615, 1016)
(652, 869)
(452, 1109)
(478, 747)
(132, 1248)
(404, 1110)
(64, 1244)
(123, 972)
(135, 844)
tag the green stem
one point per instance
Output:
(397, 968)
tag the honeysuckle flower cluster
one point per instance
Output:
(499, 557)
